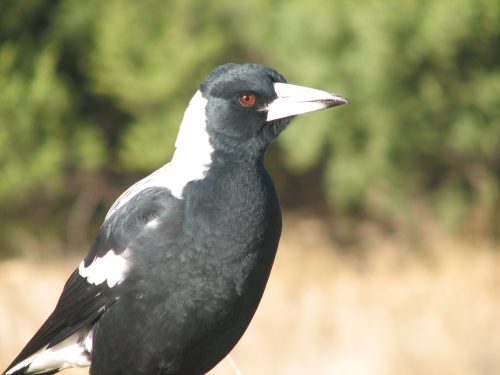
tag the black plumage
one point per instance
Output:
(181, 261)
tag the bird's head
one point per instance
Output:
(244, 107)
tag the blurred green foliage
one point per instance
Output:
(99, 88)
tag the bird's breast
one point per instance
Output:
(232, 225)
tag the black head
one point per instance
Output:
(246, 106)
(236, 109)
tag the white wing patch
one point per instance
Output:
(111, 268)
(72, 352)
(191, 160)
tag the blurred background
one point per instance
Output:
(389, 261)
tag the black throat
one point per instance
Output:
(235, 206)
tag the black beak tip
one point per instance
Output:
(334, 101)
(338, 100)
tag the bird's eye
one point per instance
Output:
(247, 100)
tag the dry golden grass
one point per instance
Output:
(387, 312)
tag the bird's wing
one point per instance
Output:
(78, 307)
(95, 285)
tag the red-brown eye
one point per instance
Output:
(247, 100)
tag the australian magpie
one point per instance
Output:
(180, 263)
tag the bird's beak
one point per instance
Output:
(293, 100)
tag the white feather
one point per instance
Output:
(22, 364)
(191, 160)
(72, 352)
(111, 268)
(153, 223)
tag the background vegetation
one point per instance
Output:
(91, 97)
(92, 93)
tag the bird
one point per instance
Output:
(181, 260)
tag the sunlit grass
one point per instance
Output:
(383, 313)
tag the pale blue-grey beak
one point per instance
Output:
(294, 100)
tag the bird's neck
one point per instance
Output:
(193, 151)
(195, 154)
(236, 203)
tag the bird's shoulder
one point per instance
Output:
(128, 223)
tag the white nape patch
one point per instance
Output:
(191, 160)
(111, 268)
(294, 100)
(72, 352)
